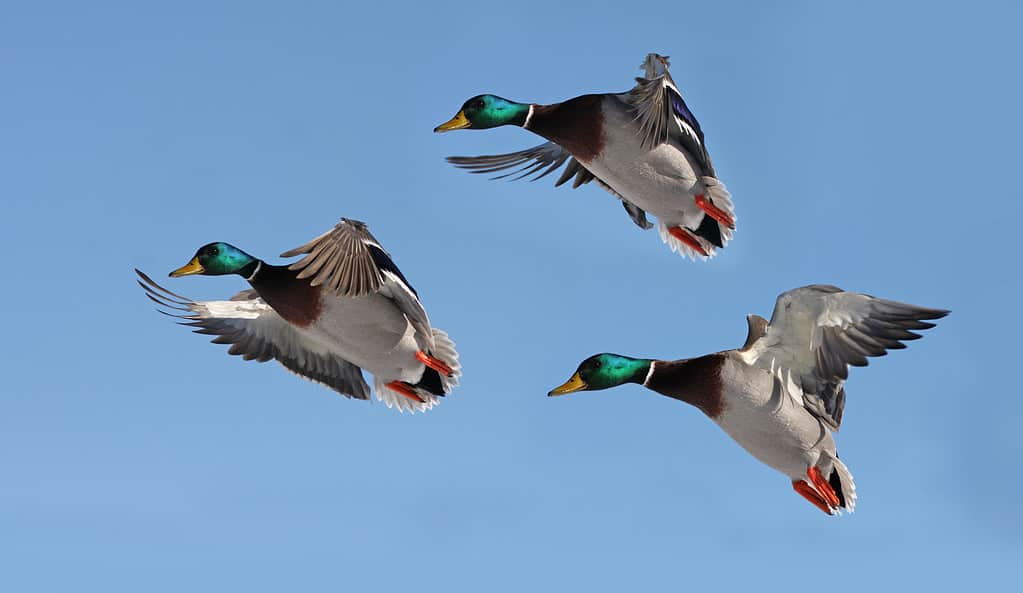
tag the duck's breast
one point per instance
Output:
(661, 180)
(371, 332)
(772, 425)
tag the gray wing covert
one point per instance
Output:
(255, 331)
(816, 332)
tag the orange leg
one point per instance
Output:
(434, 363)
(405, 389)
(823, 487)
(806, 491)
(686, 237)
(714, 212)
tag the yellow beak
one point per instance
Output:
(455, 123)
(192, 267)
(574, 384)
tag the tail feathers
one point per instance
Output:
(427, 388)
(444, 349)
(710, 234)
(710, 230)
(393, 399)
(681, 248)
(842, 481)
(715, 191)
(431, 382)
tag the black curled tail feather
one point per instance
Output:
(841, 481)
(431, 382)
(836, 485)
(710, 230)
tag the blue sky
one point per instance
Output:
(870, 146)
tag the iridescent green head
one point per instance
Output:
(217, 259)
(603, 371)
(486, 111)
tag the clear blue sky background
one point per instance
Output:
(874, 146)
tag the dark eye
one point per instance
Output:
(478, 104)
(596, 364)
(214, 251)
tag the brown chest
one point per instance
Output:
(696, 381)
(577, 125)
(296, 301)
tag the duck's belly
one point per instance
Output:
(372, 333)
(663, 180)
(770, 424)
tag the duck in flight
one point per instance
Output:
(644, 146)
(782, 394)
(341, 309)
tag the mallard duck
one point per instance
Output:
(343, 308)
(644, 146)
(782, 394)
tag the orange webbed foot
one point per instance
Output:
(406, 390)
(823, 487)
(686, 237)
(714, 212)
(434, 363)
(806, 491)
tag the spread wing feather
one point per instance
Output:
(538, 162)
(816, 332)
(663, 113)
(350, 261)
(255, 331)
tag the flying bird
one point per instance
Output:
(341, 309)
(782, 394)
(644, 146)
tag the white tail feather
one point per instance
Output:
(393, 399)
(716, 192)
(444, 349)
(681, 248)
(848, 486)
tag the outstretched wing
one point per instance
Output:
(663, 113)
(817, 331)
(256, 332)
(538, 162)
(349, 261)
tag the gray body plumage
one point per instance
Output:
(783, 391)
(369, 318)
(662, 180)
(767, 421)
(653, 159)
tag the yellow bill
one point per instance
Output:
(192, 267)
(455, 123)
(574, 384)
